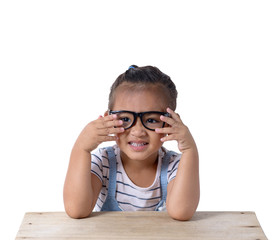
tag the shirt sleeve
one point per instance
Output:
(173, 166)
(96, 163)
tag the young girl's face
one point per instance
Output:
(138, 143)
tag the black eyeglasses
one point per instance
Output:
(150, 120)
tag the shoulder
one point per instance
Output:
(173, 156)
(100, 161)
(101, 154)
(173, 159)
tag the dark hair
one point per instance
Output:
(142, 76)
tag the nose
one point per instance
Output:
(138, 130)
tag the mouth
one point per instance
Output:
(138, 146)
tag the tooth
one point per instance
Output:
(137, 144)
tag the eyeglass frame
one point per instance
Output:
(140, 115)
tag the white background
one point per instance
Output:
(58, 60)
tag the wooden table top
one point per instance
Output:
(141, 225)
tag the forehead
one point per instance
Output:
(141, 99)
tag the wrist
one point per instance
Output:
(189, 149)
(80, 155)
(78, 146)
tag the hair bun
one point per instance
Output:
(132, 66)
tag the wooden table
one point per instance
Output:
(141, 225)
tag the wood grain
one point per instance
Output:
(141, 225)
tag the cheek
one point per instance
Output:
(158, 136)
(121, 137)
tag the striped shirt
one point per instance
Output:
(129, 196)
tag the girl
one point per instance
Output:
(137, 173)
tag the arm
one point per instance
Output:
(183, 191)
(81, 187)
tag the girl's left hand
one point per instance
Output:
(176, 131)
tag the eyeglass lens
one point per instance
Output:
(149, 120)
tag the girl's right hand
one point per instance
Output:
(101, 130)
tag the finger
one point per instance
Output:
(109, 131)
(169, 138)
(174, 115)
(166, 130)
(170, 121)
(109, 118)
(113, 124)
(108, 138)
(109, 123)
(101, 120)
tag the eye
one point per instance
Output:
(125, 119)
(151, 120)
